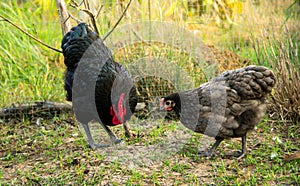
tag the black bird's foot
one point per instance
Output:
(98, 146)
(210, 152)
(127, 130)
(117, 141)
(128, 134)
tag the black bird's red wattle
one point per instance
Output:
(118, 113)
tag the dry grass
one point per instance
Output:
(283, 56)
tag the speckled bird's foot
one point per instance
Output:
(237, 154)
(205, 154)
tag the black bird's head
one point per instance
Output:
(118, 111)
(123, 98)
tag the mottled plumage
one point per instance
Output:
(99, 88)
(228, 106)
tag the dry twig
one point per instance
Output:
(93, 19)
(93, 16)
(116, 24)
(29, 35)
(73, 17)
(86, 10)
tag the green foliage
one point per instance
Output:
(29, 71)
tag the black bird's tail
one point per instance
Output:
(74, 44)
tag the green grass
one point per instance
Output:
(55, 152)
(29, 71)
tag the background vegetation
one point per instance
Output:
(53, 151)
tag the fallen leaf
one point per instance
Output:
(294, 156)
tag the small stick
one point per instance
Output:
(127, 6)
(77, 20)
(99, 10)
(87, 10)
(92, 16)
(29, 35)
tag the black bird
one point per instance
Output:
(99, 88)
(226, 107)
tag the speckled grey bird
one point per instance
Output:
(226, 107)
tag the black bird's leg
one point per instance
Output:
(112, 136)
(212, 149)
(90, 138)
(127, 130)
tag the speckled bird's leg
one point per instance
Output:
(240, 154)
(244, 148)
(212, 149)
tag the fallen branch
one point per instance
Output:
(29, 35)
(43, 109)
(38, 109)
